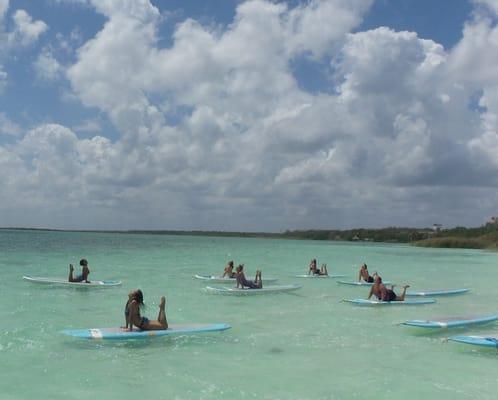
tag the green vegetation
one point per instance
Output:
(484, 237)
(389, 235)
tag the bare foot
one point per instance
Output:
(406, 286)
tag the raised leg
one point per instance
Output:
(71, 270)
(402, 296)
(161, 322)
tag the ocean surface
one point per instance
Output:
(301, 345)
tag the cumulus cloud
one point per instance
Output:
(216, 133)
(26, 31)
(46, 66)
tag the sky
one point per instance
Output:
(249, 115)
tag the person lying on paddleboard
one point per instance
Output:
(229, 272)
(243, 282)
(363, 274)
(133, 318)
(315, 271)
(85, 271)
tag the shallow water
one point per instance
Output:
(301, 345)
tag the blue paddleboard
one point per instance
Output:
(121, 334)
(362, 283)
(483, 341)
(447, 292)
(455, 322)
(407, 302)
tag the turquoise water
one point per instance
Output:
(301, 345)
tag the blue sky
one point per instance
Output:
(248, 115)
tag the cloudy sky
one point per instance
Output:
(248, 115)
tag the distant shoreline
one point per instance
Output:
(387, 235)
(485, 237)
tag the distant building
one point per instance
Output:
(437, 227)
(493, 221)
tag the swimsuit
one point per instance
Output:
(143, 322)
(391, 296)
(370, 279)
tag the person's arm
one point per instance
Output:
(134, 315)
(359, 276)
(371, 293)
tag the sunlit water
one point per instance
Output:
(301, 345)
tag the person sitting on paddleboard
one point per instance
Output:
(363, 274)
(133, 318)
(229, 272)
(378, 289)
(243, 282)
(85, 271)
(315, 271)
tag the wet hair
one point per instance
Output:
(83, 262)
(230, 263)
(240, 267)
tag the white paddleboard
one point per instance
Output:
(361, 283)
(219, 279)
(65, 282)
(249, 292)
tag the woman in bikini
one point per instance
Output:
(133, 318)
(363, 274)
(85, 271)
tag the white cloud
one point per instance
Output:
(89, 126)
(492, 5)
(3, 79)
(46, 66)
(8, 127)
(26, 31)
(216, 133)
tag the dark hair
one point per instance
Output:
(240, 267)
(230, 263)
(83, 262)
(138, 296)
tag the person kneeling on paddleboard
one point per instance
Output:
(132, 313)
(243, 282)
(85, 271)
